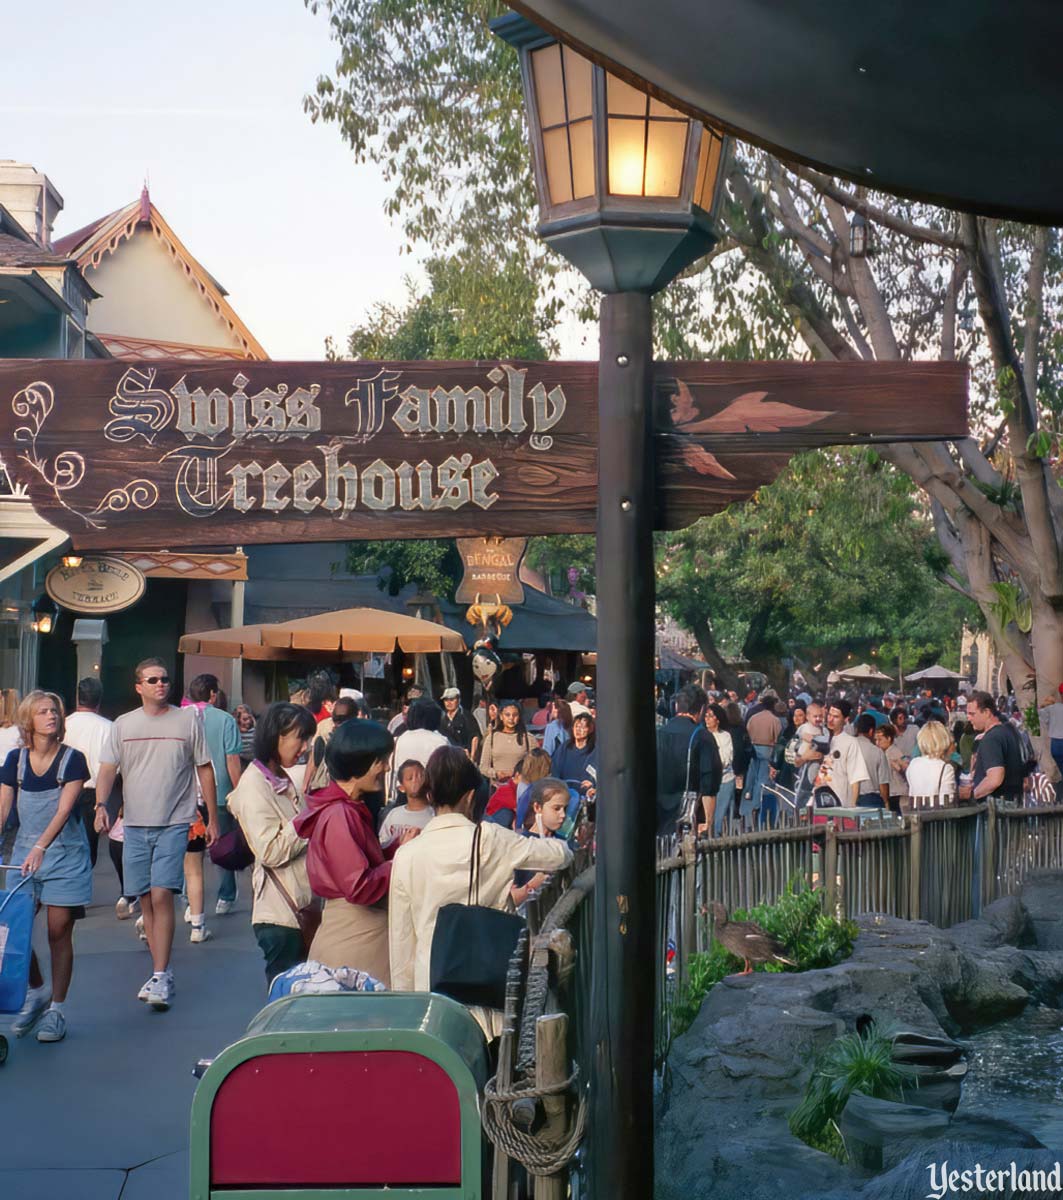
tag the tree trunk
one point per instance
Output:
(726, 676)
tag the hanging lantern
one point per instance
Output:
(859, 236)
(44, 614)
(965, 317)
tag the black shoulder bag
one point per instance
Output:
(472, 946)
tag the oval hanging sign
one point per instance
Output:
(99, 585)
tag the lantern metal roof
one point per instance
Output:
(956, 102)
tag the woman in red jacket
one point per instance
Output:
(345, 862)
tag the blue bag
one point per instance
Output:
(16, 931)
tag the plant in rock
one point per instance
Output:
(814, 939)
(855, 1062)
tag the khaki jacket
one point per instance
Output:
(433, 870)
(265, 815)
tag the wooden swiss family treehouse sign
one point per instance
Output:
(127, 455)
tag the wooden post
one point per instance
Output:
(236, 619)
(623, 984)
(688, 923)
(504, 1074)
(989, 854)
(830, 867)
(915, 866)
(551, 1067)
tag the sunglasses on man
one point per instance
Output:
(153, 679)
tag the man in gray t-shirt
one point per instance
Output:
(160, 751)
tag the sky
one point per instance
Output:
(203, 98)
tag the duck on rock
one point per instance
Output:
(746, 940)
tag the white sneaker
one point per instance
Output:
(200, 933)
(188, 914)
(140, 929)
(160, 992)
(145, 990)
(52, 1027)
(224, 907)
(124, 909)
(34, 1007)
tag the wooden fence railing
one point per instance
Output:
(940, 865)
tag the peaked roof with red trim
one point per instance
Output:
(92, 243)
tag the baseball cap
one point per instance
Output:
(574, 689)
(451, 694)
(580, 710)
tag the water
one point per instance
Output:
(1015, 1073)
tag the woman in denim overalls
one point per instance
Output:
(46, 778)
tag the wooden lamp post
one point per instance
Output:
(628, 191)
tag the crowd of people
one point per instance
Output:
(356, 833)
(725, 764)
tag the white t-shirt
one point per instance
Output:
(843, 767)
(417, 744)
(726, 746)
(88, 732)
(401, 818)
(930, 777)
(10, 739)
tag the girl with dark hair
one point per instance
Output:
(718, 813)
(265, 803)
(506, 744)
(743, 747)
(434, 871)
(560, 728)
(345, 862)
(578, 754)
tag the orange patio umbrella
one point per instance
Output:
(350, 633)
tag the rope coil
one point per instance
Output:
(537, 1155)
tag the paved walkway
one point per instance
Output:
(104, 1114)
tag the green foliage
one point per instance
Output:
(856, 1062)
(473, 309)
(703, 972)
(555, 555)
(1006, 494)
(836, 557)
(1011, 606)
(813, 939)
(1031, 718)
(433, 566)
(426, 93)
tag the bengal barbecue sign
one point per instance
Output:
(131, 455)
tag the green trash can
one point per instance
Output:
(354, 1095)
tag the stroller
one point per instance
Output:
(16, 932)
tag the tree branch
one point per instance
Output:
(880, 216)
(865, 289)
(1030, 470)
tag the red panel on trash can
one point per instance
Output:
(344, 1118)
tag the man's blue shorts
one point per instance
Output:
(154, 856)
